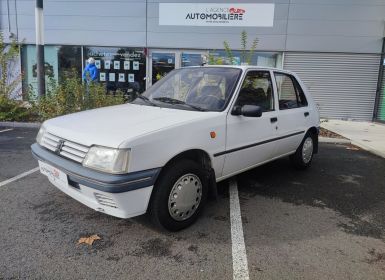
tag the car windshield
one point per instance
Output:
(195, 88)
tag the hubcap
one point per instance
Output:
(185, 197)
(307, 149)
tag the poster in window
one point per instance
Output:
(107, 64)
(126, 65)
(131, 78)
(121, 77)
(135, 65)
(97, 64)
(102, 77)
(116, 64)
(111, 77)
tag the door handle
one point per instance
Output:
(306, 114)
(273, 120)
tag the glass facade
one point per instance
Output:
(268, 59)
(123, 68)
(192, 59)
(59, 60)
(162, 63)
(119, 68)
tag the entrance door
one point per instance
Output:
(162, 62)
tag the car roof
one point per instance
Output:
(244, 67)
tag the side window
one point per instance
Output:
(301, 95)
(257, 90)
(290, 94)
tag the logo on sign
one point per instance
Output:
(218, 15)
(236, 11)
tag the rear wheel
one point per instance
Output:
(179, 195)
(303, 156)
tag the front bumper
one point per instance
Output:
(123, 195)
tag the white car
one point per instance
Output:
(163, 152)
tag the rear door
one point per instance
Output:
(293, 113)
(249, 138)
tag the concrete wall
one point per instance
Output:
(299, 25)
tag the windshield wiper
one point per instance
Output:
(170, 100)
(145, 98)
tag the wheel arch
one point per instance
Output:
(314, 131)
(201, 157)
(198, 155)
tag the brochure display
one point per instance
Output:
(102, 77)
(120, 68)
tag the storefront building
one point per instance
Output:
(334, 45)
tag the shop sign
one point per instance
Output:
(227, 14)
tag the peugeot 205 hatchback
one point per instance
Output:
(164, 151)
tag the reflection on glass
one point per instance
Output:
(205, 88)
(59, 62)
(191, 59)
(162, 63)
(268, 59)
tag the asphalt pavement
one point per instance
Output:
(327, 222)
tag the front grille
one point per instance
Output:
(105, 200)
(64, 148)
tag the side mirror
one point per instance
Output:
(247, 111)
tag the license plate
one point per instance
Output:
(54, 175)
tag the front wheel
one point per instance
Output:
(179, 195)
(303, 156)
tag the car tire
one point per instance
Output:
(179, 195)
(303, 156)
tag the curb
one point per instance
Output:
(368, 149)
(20, 124)
(355, 143)
(334, 140)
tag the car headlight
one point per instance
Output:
(107, 159)
(40, 134)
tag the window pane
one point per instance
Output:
(59, 61)
(268, 59)
(119, 68)
(301, 95)
(191, 59)
(286, 92)
(209, 88)
(257, 90)
(162, 63)
(70, 60)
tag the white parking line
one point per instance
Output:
(240, 267)
(18, 176)
(5, 130)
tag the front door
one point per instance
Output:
(250, 139)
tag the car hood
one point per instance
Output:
(110, 126)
